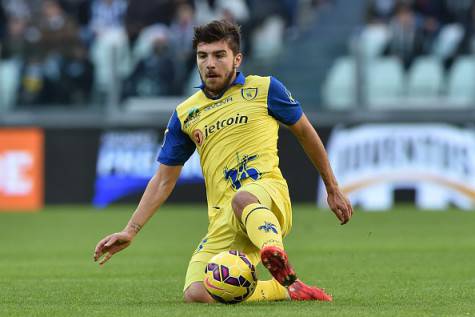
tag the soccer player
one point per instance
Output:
(233, 122)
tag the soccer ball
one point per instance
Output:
(230, 277)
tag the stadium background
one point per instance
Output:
(77, 69)
(77, 74)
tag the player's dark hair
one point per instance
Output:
(216, 31)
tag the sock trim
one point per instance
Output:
(250, 212)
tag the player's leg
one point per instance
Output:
(253, 206)
(270, 290)
(219, 238)
(194, 291)
(264, 230)
(254, 211)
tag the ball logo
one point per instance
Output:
(198, 137)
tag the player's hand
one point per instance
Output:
(110, 245)
(340, 205)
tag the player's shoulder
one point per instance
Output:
(189, 105)
(270, 81)
(256, 80)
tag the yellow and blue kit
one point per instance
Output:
(236, 136)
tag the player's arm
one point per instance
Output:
(156, 193)
(282, 106)
(313, 146)
(176, 149)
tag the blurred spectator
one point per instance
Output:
(3, 26)
(58, 34)
(407, 40)
(380, 11)
(468, 44)
(57, 80)
(431, 14)
(14, 42)
(182, 32)
(458, 11)
(431, 9)
(462, 12)
(182, 29)
(260, 11)
(236, 11)
(32, 88)
(106, 15)
(79, 10)
(48, 75)
(207, 10)
(154, 75)
(143, 13)
(78, 73)
(52, 41)
(18, 8)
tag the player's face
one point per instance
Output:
(217, 65)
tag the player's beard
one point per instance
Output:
(219, 90)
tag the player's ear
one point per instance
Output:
(238, 60)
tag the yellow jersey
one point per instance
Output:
(235, 134)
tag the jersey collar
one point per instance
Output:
(239, 80)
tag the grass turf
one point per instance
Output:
(399, 263)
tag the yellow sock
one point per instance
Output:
(269, 290)
(262, 226)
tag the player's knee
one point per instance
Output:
(240, 200)
(196, 293)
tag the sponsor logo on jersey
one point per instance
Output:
(249, 93)
(218, 104)
(221, 124)
(193, 114)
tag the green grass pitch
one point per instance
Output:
(400, 263)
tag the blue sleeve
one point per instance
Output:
(177, 146)
(281, 105)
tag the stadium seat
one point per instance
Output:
(194, 80)
(339, 88)
(448, 41)
(144, 44)
(425, 81)
(9, 81)
(267, 40)
(385, 83)
(373, 40)
(461, 83)
(104, 64)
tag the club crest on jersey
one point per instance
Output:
(193, 114)
(249, 93)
